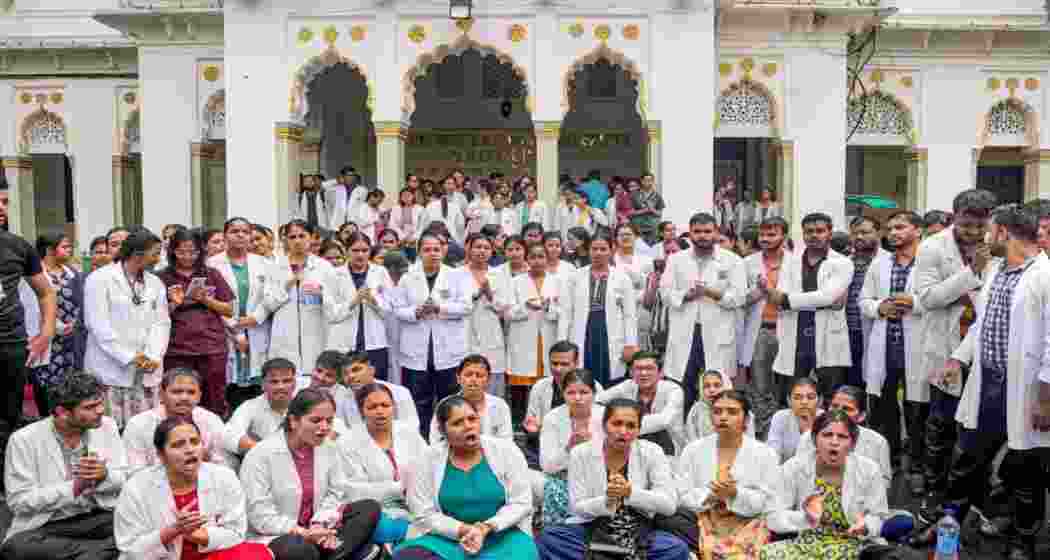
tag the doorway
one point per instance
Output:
(53, 194)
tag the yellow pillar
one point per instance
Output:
(653, 158)
(1036, 174)
(127, 190)
(915, 161)
(288, 138)
(782, 154)
(390, 158)
(547, 134)
(21, 211)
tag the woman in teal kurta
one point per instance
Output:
(485, 514)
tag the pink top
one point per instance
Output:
(304, 466)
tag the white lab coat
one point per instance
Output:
(563, 222)
(565, 269)
(724, 272)
(508, 219)
(785, 433)
(138, 436)
(538, 213)
(147, 506)
(327, 209)
(1028, 356)
(754, 268)
(506, 462)
(541, 396)
(449, 329)
(484, 325)
(754, 471)
(555, 433)
(594, 219)
(38, 483)
(409, 230)
(621, 313)
(404, 407)
(455, 221)
(876, 290)
(118, 329)
(273, 491)
(637, 268)
(33, 318)
(393, 335)
(341, 206)
(832, 335)
(863, 492)
(368, 220)
(370, 472)
(495, 421)
(667, 408)
(255, 417)
(526, 325)
(258, 336)
(941, 278)
(344, 316)
(648, 470)
(870, 444)
(299, 326)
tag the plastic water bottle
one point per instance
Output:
(947, 537)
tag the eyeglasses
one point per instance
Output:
(187, 253)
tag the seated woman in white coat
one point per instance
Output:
(533, 328)
(184, 507)
(494, 413)
(698, 423)
(728, 481)
(616, 500)
(296, 488)
(358, 373)
(382, 456)
(296, 288)
(788, 425)
(577, 421)
(870, 444)
(491, 294)
(180, 395)
(471, 496)
(834, 499)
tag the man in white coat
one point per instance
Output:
(887, 298)
(1007, 395)
(63, 477)
(811, 293)
(661, 400)
(703, 288)
(948, 267)
(343, 195)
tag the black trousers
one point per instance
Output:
(359, 522)
(940, 438)
(885, 416)
(13, 374)
(428, 388)
(88, 536)
(694, 369)
(915, 416)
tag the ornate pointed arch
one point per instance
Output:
(616, 58)
(42, 131)
(878, 114)
(303, 79)
(749, 109)
(1010, 122)
(439, 54)
(213, 117)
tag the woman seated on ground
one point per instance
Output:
(728, 481)
(183, 504)
(295, 488)
(471, 495)
(834, 499)
(615, 503)
(494, 412)
(788, 425)
(577, 421)
(871, 444)
(382, 456)
(699, 424)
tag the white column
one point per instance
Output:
(390, 157)
(547, 133)
(952, 169)
(819, 131)
(683, 102)
(92, 116)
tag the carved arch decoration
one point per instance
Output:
(304, 77)
(438, 55)
(213, 117)
(43, 132)
(131, 133)
(884, 115)
(1010, 121)
(750, 106)
(615, 58)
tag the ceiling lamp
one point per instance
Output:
(459, 9)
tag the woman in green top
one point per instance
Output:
(471, 495)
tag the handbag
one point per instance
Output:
(599, 545)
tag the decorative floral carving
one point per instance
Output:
(211, 73)
(417, 33)
(44, 131)
(725, 69)
(357, 33)
(465, 25)
(1006, 118)
(747, 65)
(769, 69)
(1031, 84)
(576, 30)
(994, 84)
(907, 81)
(57, 97)
(130, 98)
(602, 32)
(305, 35)
(518, 33)
(882, 115)
(330, 35)
(745, 105)
(631, 32)
(27, 98)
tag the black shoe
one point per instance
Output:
(923, 538)
(929, 509)
(1019, 551)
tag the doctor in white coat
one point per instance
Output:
(490, 292)
(343, 196)
(296, 287)
(407, 218)
(534, 210)
(812, 289)
(599, 313)
(249, 329)
(313, 200)
(703, 287)
(433, 305)
(369, 216)
(533, 317)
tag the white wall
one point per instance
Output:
(954, 100)
(168, 85)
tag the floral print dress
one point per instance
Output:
(828, 541)
(62, 347)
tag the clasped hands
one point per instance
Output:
(472, 536)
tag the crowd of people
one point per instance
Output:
(472, 374)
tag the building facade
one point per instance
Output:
(190, 111)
